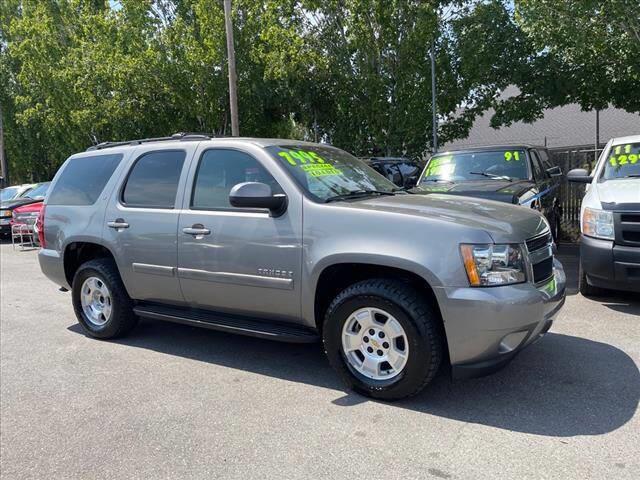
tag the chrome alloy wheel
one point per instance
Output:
(375, 344)
(95, 299)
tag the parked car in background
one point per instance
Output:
(401, 171)
(35, 194)
(209, 232)
(15, 191)
(517, 174)
(610, 219)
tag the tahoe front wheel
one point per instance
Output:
(383, 339)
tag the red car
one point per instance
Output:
(27, 215)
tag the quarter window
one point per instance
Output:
(153, 180)
(82, 180)
(219, 171)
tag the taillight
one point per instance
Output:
(40, 227)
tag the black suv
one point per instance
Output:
(401, 171)
(518, 174)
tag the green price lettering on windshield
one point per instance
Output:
(320, 170)
(301, 157)
(439, 166)
(508, 156)
(623, 156)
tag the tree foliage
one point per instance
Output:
(355, 73)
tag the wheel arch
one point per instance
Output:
(78, 252)
(335, 277)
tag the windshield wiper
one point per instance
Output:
(403, 189)
(356, 194)
(492, 175)
(633, 175)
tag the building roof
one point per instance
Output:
(566, 126)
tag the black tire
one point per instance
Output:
(585, 289)
(122, 319)
(422, 326)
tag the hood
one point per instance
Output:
(504, 223)
(619, 192)
(17, 202)
(499, 190)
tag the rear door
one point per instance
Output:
(142, 219)
(244, 260)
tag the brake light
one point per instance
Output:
(40, 227)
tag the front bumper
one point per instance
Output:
(611, 266)
(487, 327)
(5, 225)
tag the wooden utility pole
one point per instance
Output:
(597, 142)
(4, 174)
(231, 61)
(434, 97)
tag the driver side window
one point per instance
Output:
(219, 171)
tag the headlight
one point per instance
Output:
(491, 265)
(5, 213)
(597, 223)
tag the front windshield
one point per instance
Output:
(460, 167)
(8, 193)
(40, 191)
(326, 172)
(623, 162)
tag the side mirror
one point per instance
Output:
(258, 195)
(579, 175)
(554, 171)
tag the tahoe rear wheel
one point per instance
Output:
(101, 303)
(383, 339)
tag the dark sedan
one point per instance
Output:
(520, 174)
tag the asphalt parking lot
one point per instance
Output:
(172, 401)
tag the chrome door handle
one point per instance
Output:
(118, 223)
(196, 230)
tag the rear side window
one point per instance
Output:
(82, 180)
(153, 180)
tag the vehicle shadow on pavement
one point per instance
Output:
(561, 386)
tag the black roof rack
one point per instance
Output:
(185, 136)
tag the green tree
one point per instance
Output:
(585, 52)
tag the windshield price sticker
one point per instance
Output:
(320, 170)
(441, 166)
(623, 156)
(310, 162)
(301, 157)
(508, 156)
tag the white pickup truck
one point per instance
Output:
(610, 219)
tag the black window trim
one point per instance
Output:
(133, 165)
(226, 209)
(536, 156)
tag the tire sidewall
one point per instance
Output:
(419, 353)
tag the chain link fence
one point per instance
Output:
(571, 193)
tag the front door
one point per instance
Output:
(235, 259)
(141, 224)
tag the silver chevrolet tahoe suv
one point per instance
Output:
(298, 242)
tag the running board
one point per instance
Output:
(271, 330)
